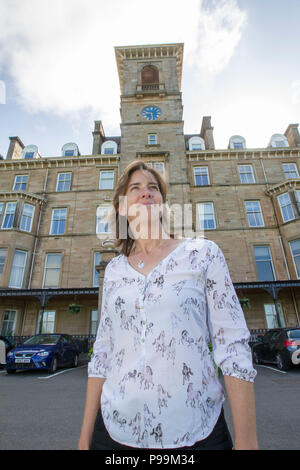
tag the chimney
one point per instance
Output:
(292, 135)
(15, 148)
(98, 137)
(207, 133)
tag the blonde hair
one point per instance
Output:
(126, 244)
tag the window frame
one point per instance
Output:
(27, 217)
(52, 220)
(96, 284)
(40, 322)
(20, 267)
(254, 212)
(155, 138)
(201, 175)
(213, 213)
(246, 173)
(261, 261)
(14, 321)
(5, 214)
(107, 208)
(284, 206)
(293, 171)
(53, 268)
(5, 250)
(20, 183)
(293, 257)
(64, 181)
(106, 179)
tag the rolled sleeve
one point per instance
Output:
(100, 361)
(226, 322)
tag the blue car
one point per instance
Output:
(43, 352)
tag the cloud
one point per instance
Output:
(60, 54)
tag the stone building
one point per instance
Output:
(54, 243)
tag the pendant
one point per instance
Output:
(141, 264)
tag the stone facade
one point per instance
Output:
(226, 179)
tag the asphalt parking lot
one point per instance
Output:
(44, 412)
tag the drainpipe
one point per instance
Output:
(37, 233)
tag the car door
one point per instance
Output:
(274, 345)
(68, 349)
(264, 348)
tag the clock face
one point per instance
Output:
(151, 113)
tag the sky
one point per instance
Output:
(58, 72)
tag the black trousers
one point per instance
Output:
(219, 439)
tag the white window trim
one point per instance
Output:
(24, 267)
(4, 215)
(107, 208)
(295, 267)
(5, 258)
(281, 314)
(271, 259)
(112, 179)
(15, 182)
(109, 144)
(40, 318)
(57, 181)
(252, 172)
(45, 269)
(295, 167)
(15, 319)
(207, 174)
(290, 204)
(94, 267)
(149, 139)
(260, 212)
(31, 219)
(53, 209)
(196, 140)
(213, 213)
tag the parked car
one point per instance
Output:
(8, 346)
(43, 352)
(280, 346)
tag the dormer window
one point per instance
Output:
(237, 142)
(109, 147)
(278, 140)
(196, 143)
(29, 152)
(70, 150)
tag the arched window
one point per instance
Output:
(30, 151)
(196, 143)
(109, 147)
(278, 140)
(150, 74)
(70, 150)
(237, 142)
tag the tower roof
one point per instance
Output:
(154, 51)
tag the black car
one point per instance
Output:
(280, 346)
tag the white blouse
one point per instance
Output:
(152, 346)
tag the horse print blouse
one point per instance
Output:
(152, 346)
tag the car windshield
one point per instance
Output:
(295, 334)
(42, 339)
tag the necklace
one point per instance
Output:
(141, 263)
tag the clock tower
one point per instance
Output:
(151, 109)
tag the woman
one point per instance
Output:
(164, 299)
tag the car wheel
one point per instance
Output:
(282, 362)
(75, 360)
(10, 371)
(53, 367)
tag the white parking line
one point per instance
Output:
(61, 372)
(272, 368)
